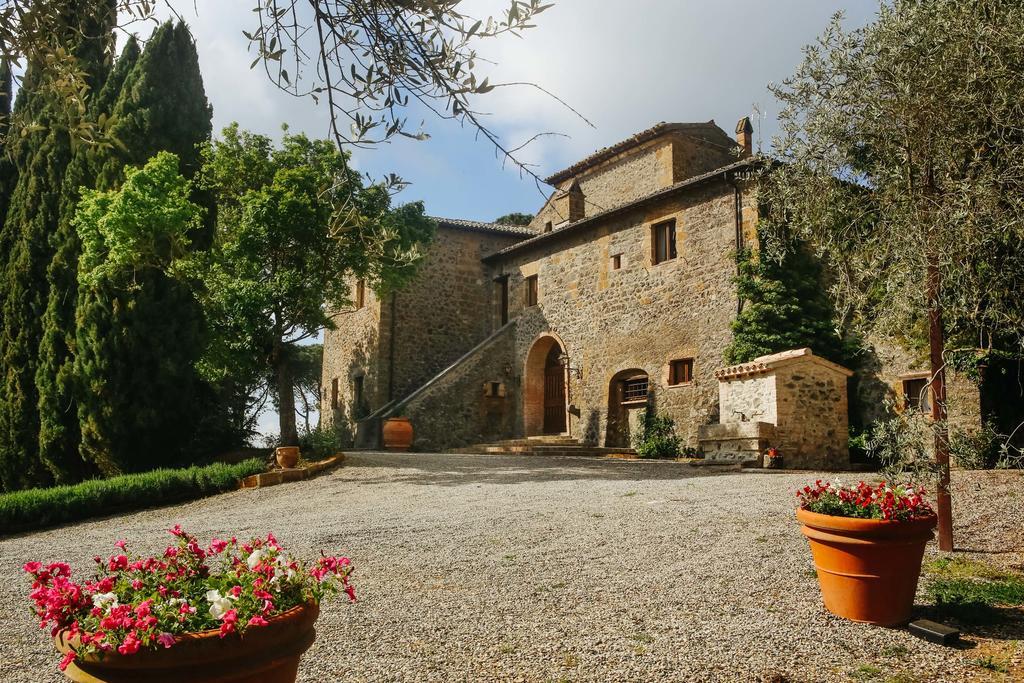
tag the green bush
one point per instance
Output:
(38, 508)
(657, 437)
(319, 443)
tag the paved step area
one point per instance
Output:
(547, 445)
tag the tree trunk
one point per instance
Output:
(936, 345)
(285, 398)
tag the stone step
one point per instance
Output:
(546, 449)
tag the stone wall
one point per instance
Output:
(636, 173)
(350, 351)
(470, 403)
(444, 312)
(792, 400)
(447, 310)
(640, 316)
(879, 386)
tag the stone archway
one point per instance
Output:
(545, 394)
(628, 393)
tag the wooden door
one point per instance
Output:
(554, 399)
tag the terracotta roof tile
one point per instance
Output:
(463, 224)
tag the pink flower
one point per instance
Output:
(121, 544)
(137, 584)
(165, 639)
(258, 621)
(217, 546)
(131, 644)
(32, 568)
(177, 530)
(69, 657)
(118, 562)
(228, 622)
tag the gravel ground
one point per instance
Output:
(526, 569)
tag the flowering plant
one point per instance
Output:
(145, 602)
(900, 502)
(772, 452)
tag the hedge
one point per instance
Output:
(38, 508)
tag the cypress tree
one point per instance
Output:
(787, 307)
(58, 412)
(41, 156)
(139, 341)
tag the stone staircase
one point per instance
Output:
(558, 445)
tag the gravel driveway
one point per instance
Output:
(481, 568)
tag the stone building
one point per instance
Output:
(617, 296)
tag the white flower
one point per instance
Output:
(219, 607)
(104, 600)
(213, 595)
(254, 558)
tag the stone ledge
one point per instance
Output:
(283, 476)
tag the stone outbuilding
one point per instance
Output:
(793, 401)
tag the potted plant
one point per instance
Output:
(867, 542)
(230, 611)
(773, 459)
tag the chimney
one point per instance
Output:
(745, 135)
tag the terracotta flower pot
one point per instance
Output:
(263, 654)
(397, 433)
(867, 568)
(287, 456)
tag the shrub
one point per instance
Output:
(38, 508)
(319, 443)
(657, 437)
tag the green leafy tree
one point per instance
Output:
(42, 154)
(59, 433)
(785, 307)
(136, 364)
(902, 160)
(294, 224)
(515, 219)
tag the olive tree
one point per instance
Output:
(901, 158)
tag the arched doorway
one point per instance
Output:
(545, 407)
(628, 394)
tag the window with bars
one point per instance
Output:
(634, 389)
(680, 371)
(664, 241)
(531, 290)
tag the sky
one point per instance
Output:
(624, 65)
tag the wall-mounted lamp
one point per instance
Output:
(563, 360)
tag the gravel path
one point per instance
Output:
(526, 569)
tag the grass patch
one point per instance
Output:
(39, 508)
(990, 664)
(896, 651)
(865, 672)
(970, 591)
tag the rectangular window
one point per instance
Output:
(917, 394)
(531, 290)
(357, 395)
(360, 294)
(634, 389)
(664, 241)
(616, 261)
(680, 371)
(334, 393)
(547, 226)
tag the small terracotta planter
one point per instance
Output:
(867, 568)
(397, 434)
(287, 456)
(263, 654)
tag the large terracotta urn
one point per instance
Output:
(397, 433)
(263, 654)
(867, 568)
(287, 456)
